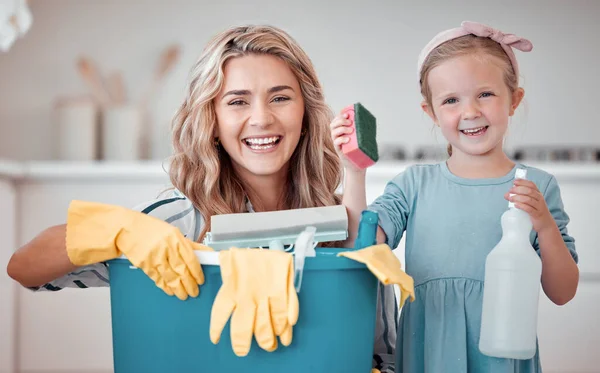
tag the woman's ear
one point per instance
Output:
(517, 97)
(429, 110)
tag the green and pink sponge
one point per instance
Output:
(361, 150)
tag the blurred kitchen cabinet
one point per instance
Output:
(70, 330)
(7, 286)
(569, 335)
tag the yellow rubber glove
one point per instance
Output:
(97, 232)
(258, 293)
(382, 262)
(375, 370)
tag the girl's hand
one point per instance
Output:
(528, 198)
(341, 128)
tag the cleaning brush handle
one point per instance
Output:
(367, 230)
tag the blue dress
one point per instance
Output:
(451, 224)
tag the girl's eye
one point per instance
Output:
(487, 94)
(450, 101)
(281, 99)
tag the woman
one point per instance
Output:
(251, 135)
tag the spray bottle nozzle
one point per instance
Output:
(520, 173)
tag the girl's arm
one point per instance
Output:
(355, 201)
(560, 274)
(355, 194)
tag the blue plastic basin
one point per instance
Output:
(156, 333)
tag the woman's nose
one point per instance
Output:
(261, 116)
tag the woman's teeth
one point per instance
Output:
(474, 131)
(261, 143)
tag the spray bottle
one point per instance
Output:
(511, 290)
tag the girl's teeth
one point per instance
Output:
(474, 130)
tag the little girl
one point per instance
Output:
(451, 210)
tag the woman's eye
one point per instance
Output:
(237, 102)
(280, 99)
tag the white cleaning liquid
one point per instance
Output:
(511, 290)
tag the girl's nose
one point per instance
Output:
(471, 111)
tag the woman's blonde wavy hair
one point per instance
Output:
(203, 172)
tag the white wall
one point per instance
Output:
(362, 52)
(8, 288)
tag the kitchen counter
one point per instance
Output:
(10, 169)
(43, 170)
(155, 170)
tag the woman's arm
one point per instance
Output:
(44, 263)
(41, 260)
